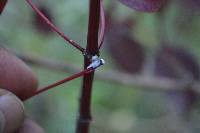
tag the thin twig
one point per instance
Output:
(54, 28)
(46, 88)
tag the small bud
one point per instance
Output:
(96, 62)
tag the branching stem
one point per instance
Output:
(46, 88)
(53, 27)
(84, 118)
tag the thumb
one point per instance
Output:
(30, 126)
(11, 112)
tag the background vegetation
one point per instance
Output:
(116, 108)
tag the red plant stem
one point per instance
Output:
(84, 118)
(54, 28)
(102, 25)
(59, 83)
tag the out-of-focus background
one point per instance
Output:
(163, 44)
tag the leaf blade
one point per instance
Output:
(2, 5)
(144, 5)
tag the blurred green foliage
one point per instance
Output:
(116, 108)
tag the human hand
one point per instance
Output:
(17, 82)
(12, 115)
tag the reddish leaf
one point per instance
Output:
(165, 67)
(2, 5)
(179, 102)
(127, 53)
(144, 5)
(191, 5)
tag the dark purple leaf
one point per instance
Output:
(183, 57)
(2, 5)
(191, 5)
(179, 102)
(144, 5)
(127, 53)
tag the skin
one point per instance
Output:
(16, 76)
(12, 115)
(17, 82)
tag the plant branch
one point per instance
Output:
(46, 88)
(84, 118)
(53, 27)
(143, 82)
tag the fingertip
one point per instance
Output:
(30, 126)
(16, 76)
(11, 112)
